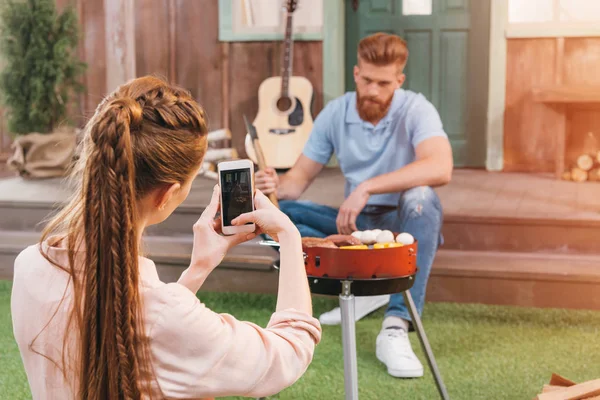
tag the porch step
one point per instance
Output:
(247, 268)
(558, 236)
(504, 278)
(24, 204)
(31, 216)
(521, 279)
(176, 251)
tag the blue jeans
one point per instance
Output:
(419, 213)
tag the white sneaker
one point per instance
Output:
(393, 349)
(363, 306)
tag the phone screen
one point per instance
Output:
(236, 188)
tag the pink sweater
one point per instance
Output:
(196, 352)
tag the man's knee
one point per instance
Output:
(294, 208)
(420, 199)
(288, 207)
(293, 204)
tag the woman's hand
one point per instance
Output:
(210, 246)
(268, 218)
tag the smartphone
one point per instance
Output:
(236, 181)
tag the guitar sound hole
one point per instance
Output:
(284, 103)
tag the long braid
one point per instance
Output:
(111, 244)
(144, 136)
(89, 372)
(132, 309)
(123, 246)
(127, 280)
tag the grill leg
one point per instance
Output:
(425, 344)
(349, 342)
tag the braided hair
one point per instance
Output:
(145, 135)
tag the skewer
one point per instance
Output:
(260, 158)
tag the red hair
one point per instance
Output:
(383, 49)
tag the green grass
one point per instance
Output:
(483, 352)
(13, 381)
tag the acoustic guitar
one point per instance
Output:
(284, 121)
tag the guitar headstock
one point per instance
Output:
(291, 5)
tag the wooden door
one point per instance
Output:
(448, 43)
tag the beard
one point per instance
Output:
(371, 109)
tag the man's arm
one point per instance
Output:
(294, 182)
(317, 152)
(432, 167)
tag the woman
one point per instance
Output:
(90, 315)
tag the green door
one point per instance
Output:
(448, 44)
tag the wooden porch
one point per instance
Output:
(510, 238)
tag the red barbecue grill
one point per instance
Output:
(365, 272)
(393, 262)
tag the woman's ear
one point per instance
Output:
(164, 195)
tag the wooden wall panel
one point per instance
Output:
(178, 39)
(529, 137)
(60, 4)
(581, 66)
(152, 37)
(251, 63)
(198, 55)
(94, 54)
(531, 128)
(581, 61)
(309, 62)
(120, 43)
(265, 61)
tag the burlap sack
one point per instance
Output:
(47, 155)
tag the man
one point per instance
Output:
(392, 150)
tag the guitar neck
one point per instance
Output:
(286, 65)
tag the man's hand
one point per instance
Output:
(350, 209)
(267, 181)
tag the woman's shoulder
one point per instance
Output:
(29, 258)
(28, 253)
(45, 256)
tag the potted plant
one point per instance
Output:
(40, 72)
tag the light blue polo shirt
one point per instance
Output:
(365, 151)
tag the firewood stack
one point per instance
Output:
(216, 153)
(563, 389)
(587, 168)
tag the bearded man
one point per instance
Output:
(392, 150)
